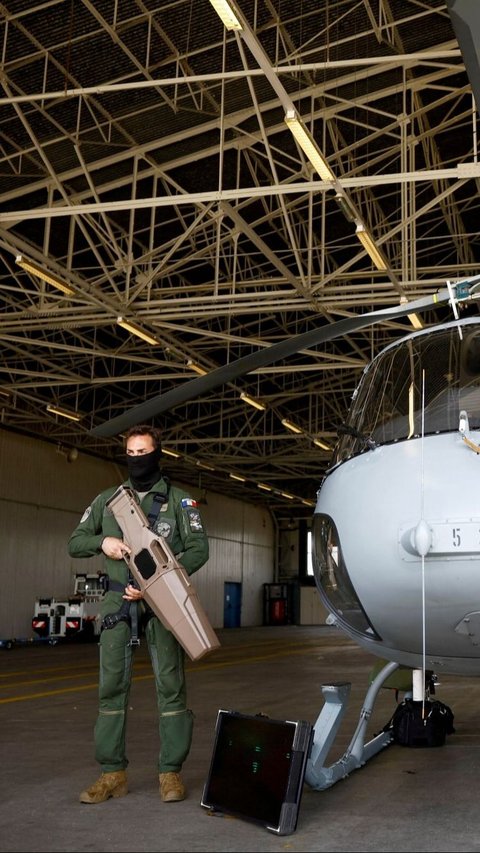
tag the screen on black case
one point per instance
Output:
(251, 767)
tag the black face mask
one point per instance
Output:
(143, 471)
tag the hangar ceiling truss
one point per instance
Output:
(147, 165)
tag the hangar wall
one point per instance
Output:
(42, 498)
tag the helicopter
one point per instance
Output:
(395, 512)
(396, 518)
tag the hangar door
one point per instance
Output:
(232, 604)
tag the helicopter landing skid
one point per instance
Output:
(358, 752)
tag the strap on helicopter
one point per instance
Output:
(471, 444)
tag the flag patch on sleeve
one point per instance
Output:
(188, 502)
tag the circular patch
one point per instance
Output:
(164, 529)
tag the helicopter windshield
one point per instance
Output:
(417, 386)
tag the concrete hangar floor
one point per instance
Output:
(402, 799)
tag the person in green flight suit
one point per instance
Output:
(178, 520)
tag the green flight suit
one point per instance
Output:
(179, 522)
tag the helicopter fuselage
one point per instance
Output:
(407, 522)
(396, 529)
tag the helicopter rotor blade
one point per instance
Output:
(270, 355)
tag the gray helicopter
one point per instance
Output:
(396, 520)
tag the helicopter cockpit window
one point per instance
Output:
(332, 578)
(415, 387)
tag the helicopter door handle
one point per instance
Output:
(463, 425)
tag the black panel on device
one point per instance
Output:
(257, 769)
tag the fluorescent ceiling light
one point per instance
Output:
(368, 244)
(196, 367)
(264, 487)
(414, 318)
(346, 206)
(415, 321)
(171, 453)
(237, 477)
(321, 444)
(45, 276)
(135, 330)
(287, 495)
(64, 413)
(204, 465)
(252, 401)
(308, 145)
(288, 424)
(224, 10)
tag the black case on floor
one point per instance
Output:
(257, 769)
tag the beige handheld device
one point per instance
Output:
(164, 582)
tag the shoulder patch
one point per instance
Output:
(194, 520)
(188, 502)
(86, 514)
